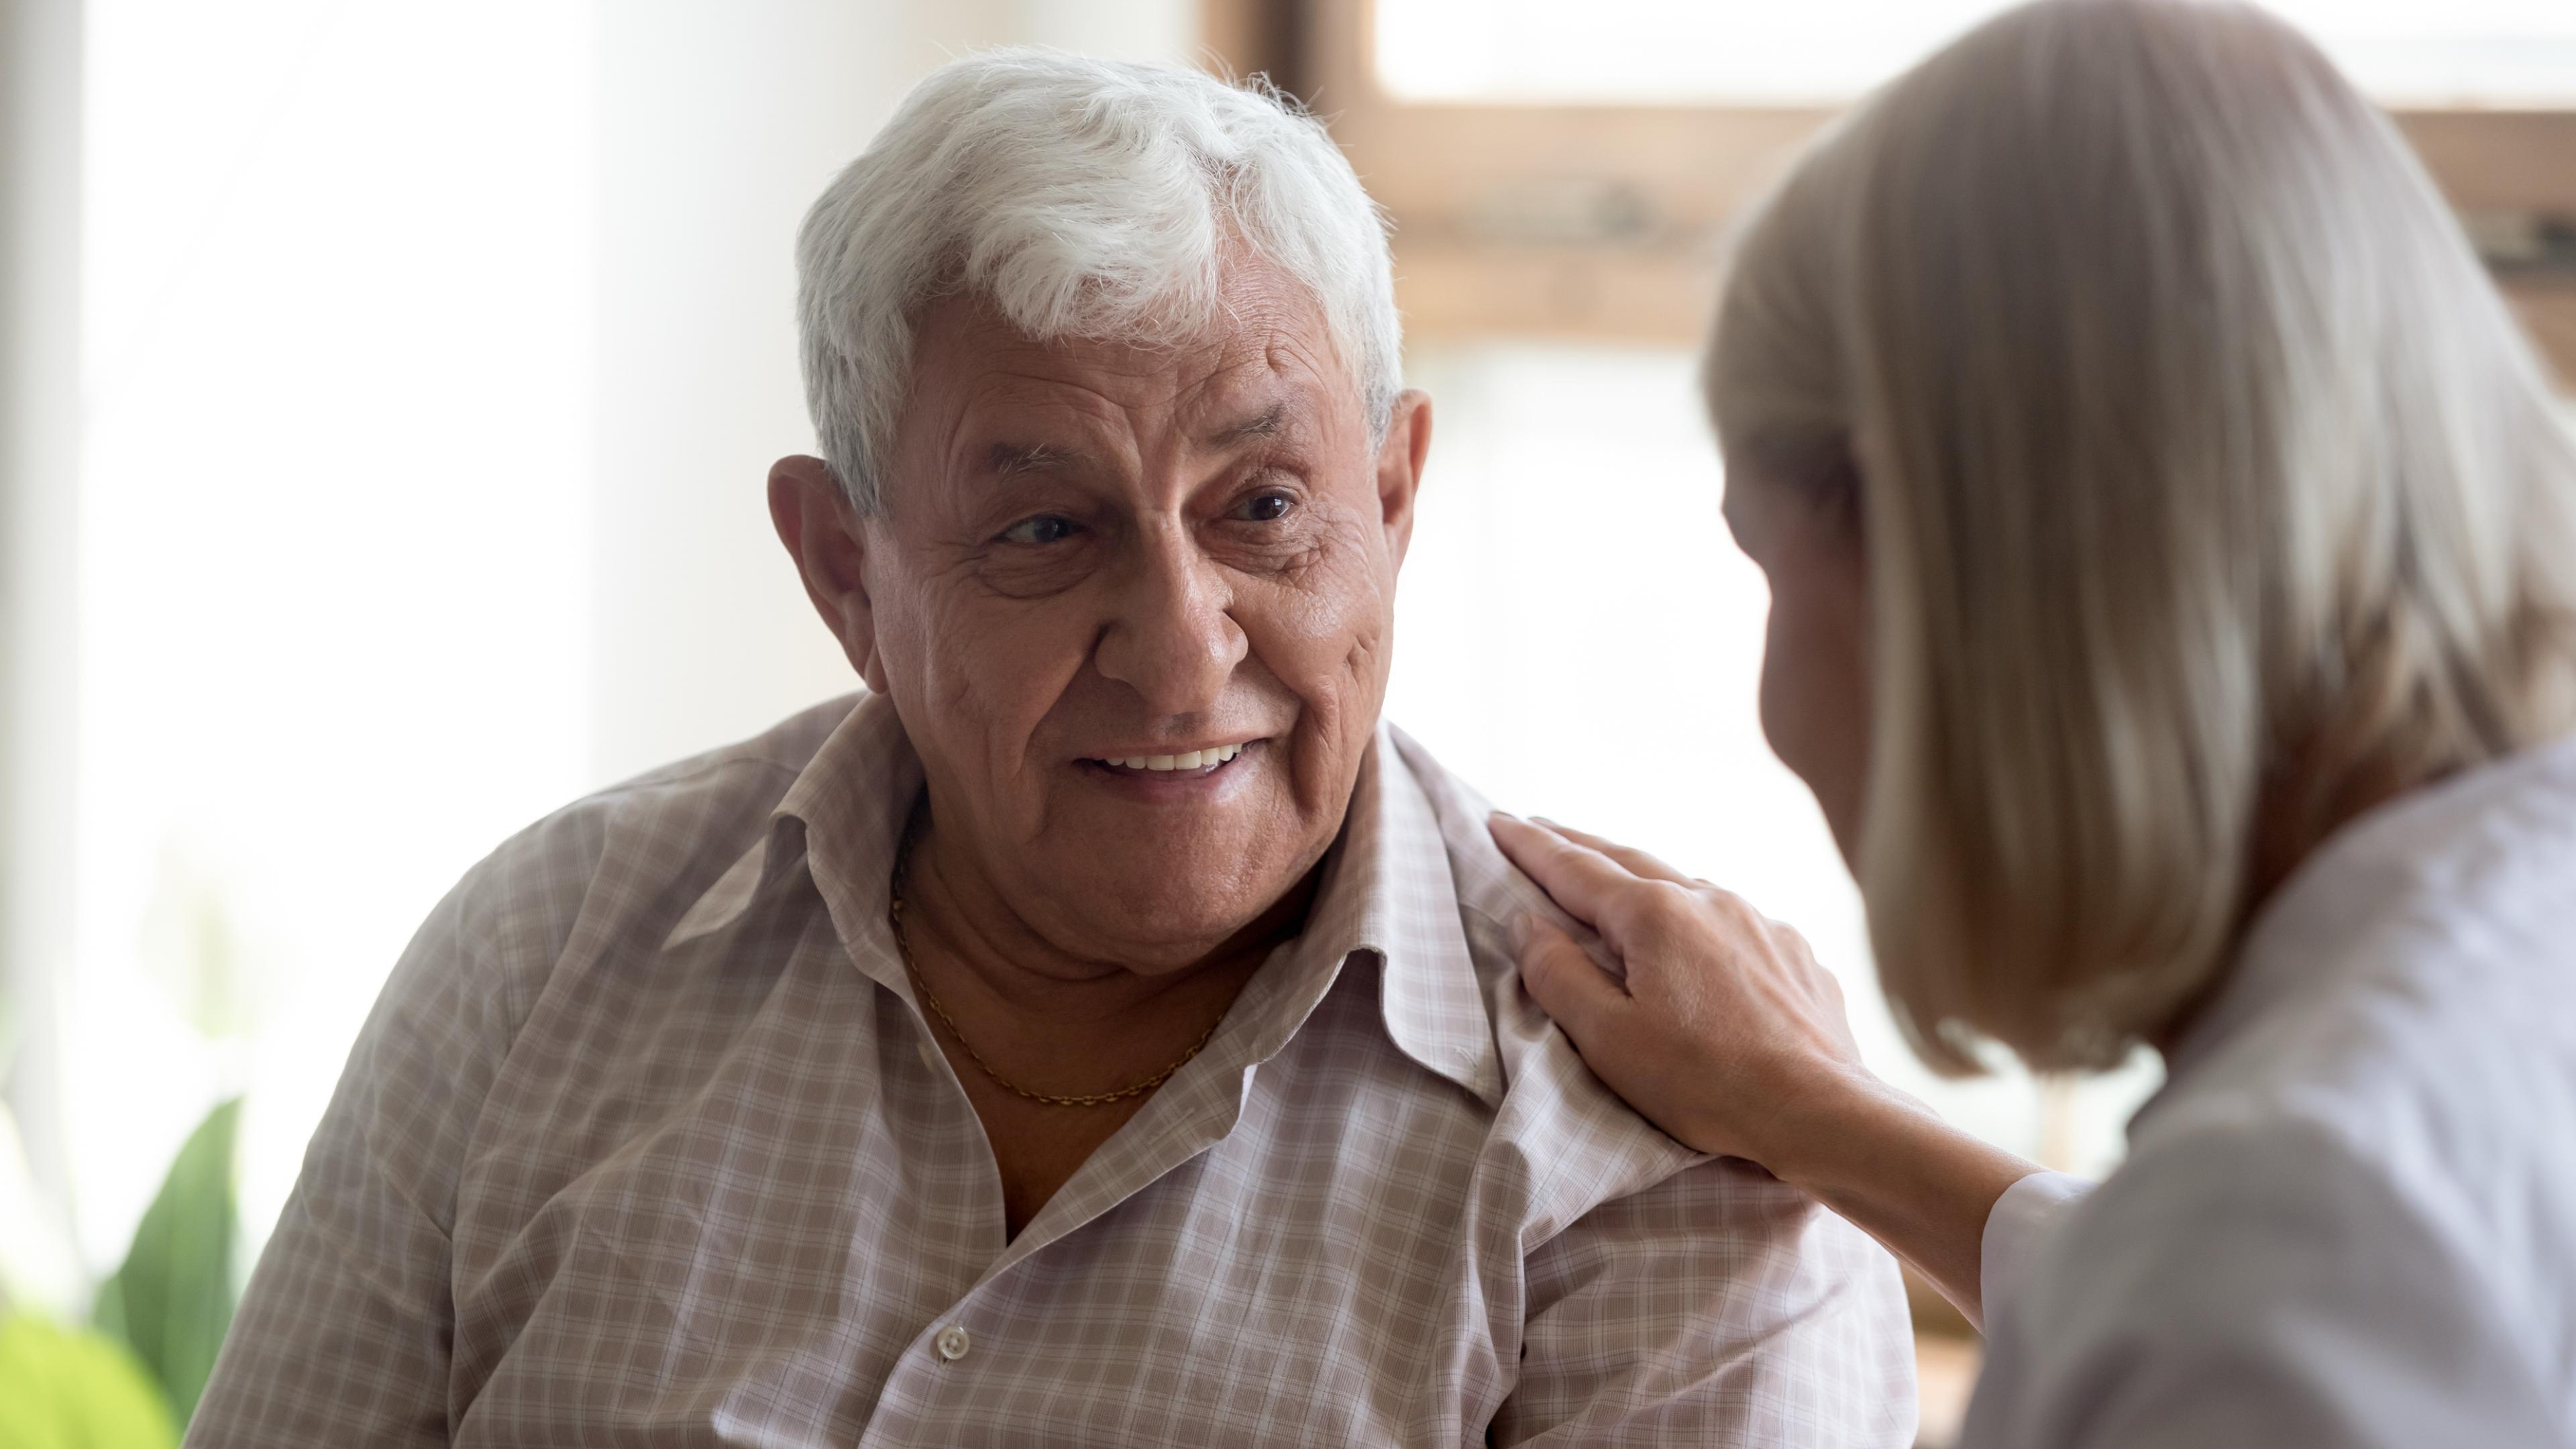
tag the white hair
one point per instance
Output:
(2205, 483)
(1083, 199)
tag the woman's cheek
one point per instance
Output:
(1814, 702)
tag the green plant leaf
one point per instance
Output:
(71, 1388)
(173, 1298)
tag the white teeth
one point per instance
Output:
(1192, 760)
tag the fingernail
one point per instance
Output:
(1520, 932)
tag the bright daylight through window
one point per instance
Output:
(2407, 52)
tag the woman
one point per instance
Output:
(2173, 560)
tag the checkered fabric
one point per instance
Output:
(647, 1144)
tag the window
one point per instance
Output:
(1565, 170)
(2475, 53)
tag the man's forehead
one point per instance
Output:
(1255, 370)
(1194, 382)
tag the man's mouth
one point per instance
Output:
(1185, 761)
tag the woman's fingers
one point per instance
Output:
(1623, 894)
(1567, 982)
(1583, 880)
(1635, 861)
(1714, 1016)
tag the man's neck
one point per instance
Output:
(1027, 1021)
(970, 931)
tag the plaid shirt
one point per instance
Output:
(647, 1143)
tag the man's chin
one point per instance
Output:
(1161, 874)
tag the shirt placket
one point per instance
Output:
(944, 1366)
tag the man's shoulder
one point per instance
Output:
(1584, 1143)
(1490, 891)
(777, 754)
(645, 839)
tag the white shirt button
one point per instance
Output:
(929, 1054)
(952, 1342)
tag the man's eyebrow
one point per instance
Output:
(1007, 459)
(1266, 424)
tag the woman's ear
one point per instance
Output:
(824, 536)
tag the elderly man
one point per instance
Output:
(1100, 1031)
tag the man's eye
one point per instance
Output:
(1045, 528)
(1265, 507)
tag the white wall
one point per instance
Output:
(329, 589)
(39, 440)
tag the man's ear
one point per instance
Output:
(823, 534)
(1399, 465)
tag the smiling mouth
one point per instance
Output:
(1186, 762)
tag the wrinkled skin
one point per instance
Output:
(1090, 551)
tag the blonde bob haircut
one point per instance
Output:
(2206, 488)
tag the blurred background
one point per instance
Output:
(388, 390)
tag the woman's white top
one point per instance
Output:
(2350, 1216)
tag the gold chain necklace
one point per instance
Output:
(930, 998)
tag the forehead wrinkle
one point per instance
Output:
(1306, 363)
(1260, 374)
(1012, 423)
(1096, 392)
(1263, 382)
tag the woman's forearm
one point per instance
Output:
(1920, 1186)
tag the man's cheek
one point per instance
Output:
(995, 677)
(1327, 642)
(1347, 591)
(1363, 626)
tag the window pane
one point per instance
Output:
(2418, 52)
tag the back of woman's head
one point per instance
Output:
(2204, 482)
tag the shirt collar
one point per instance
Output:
(1387, 895)
(838, 825)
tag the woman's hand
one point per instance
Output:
(1726, 1034)
(1729, 1036)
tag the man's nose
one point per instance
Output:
(1170, 636)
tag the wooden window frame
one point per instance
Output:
(1599, 222)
